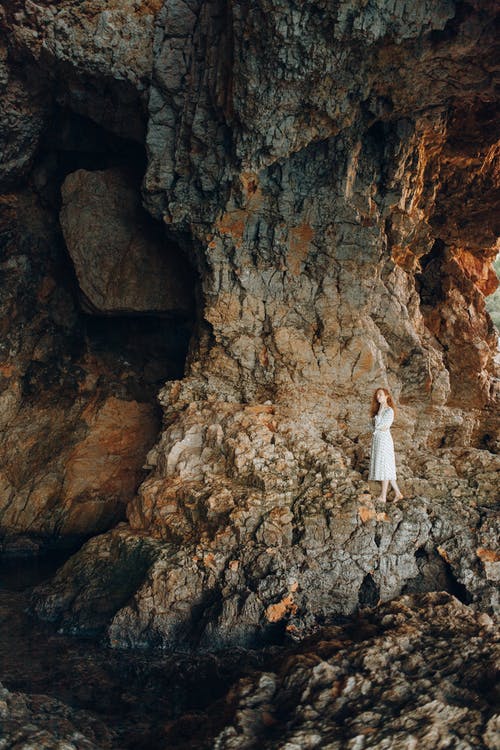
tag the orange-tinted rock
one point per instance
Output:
(102, 472)
(331, 190)
(73, 436)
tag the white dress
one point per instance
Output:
(382, 460)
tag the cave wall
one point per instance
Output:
(331, 171)
(328, 156)
(67, 465)
(78, 411)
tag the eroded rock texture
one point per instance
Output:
(78, 383)
(120, 258)
(30, 721)
(331, 168)
(76, 422)
(416, 672)
(398, 681)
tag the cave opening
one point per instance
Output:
(369, 593)
(435, 574)
(139, 348)
(102, 304)
(493, 304)
(430, 279)
(143, 350)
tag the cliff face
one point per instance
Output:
(330, 171)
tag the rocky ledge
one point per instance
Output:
(220, 572)
(419, 671)
(44, 723)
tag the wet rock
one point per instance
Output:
(417, 671)
(30, 721)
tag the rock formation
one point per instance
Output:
(120, 259)
(398, 680)
(416, 672)
(330, 169)
(39, 721)
(76, 421)
(77, 400)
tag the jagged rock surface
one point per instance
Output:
(44, 723)
(219, 570)
(336, 189)
(417, 673)
(76, 423)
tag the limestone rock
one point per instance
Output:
(331, 170)
(23, 113)
(242, 569)
(117, 565)
(75, 423)
(94, 58)
(122, 260)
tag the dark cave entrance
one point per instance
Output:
(89, 375)
(138, 350)
(145, 350)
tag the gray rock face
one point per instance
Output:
(122, 260)
(223, 572)
(23, 113)
(97, 57)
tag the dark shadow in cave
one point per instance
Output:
(147, 349)
(72, 142)
(430, 280)
(435, 574)
(369, 593)
(142, 349)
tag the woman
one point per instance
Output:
(382, 461)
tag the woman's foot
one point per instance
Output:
(380, 499)
(398, 497)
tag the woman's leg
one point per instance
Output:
(396, 489)
(383, 495)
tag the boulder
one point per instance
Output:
(122, 260)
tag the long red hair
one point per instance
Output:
(375, 404)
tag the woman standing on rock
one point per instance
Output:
(382, 460)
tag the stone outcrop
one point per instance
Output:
(95, 59)
(418, 671)
(30, 721)
(414, 673)
(218, 569)
(76, 420)
(22, 116)
(331, 170)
